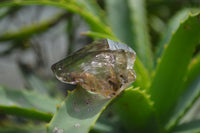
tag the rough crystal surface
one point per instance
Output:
(104, 67)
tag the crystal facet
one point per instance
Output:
(104, 67)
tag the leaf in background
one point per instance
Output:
(98, 35)
(8, 11)
(92, 6)
(119, 20)
(192, 72)
(184, 103)
(27, 32)
(169, 75)
(28, 128)
(33, 82)
(156, 24)
(78, 113)
(190, 127)
(93, 21)
(173, 25)
(192, 114)
(141, 35)
(143, 78)
(27, 104)
(102, 128)
(135, 110)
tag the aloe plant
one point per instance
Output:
(167, 84)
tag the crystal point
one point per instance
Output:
(104, 67)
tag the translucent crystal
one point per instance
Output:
(104, 67)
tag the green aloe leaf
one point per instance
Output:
(140, 30)
(72, 6)
(143, 78)
(33, 82)
(102, 128)
(78, 113)
(139, 113)
(31, 30)
(184, 104)
(189, 127)
(192, 72)
(23, 129)
(8, 11)
(26, 104)
(169, 76)
(98, 35)
(119, 19)
(191, 89)
(173, 25)
(92, 6)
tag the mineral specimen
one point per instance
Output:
(104, 67)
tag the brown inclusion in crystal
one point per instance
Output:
(104, 67)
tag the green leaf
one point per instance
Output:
(143, 78)
(8, 11)
(184, 103)
(140, 29)
(173, 25)
(191, 89)
(36, 84)
(78, 113)
(92, 6)
(102, 128)
(33, 81)
(192, 72)
(98, 35)
(26, 104)
(119, 19)
(27, 32)
(135, 110)
(169, 76)
(189, 127)
(23, 129)
(72, 6)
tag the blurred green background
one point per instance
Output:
(34, 37)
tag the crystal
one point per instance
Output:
(104, 67)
